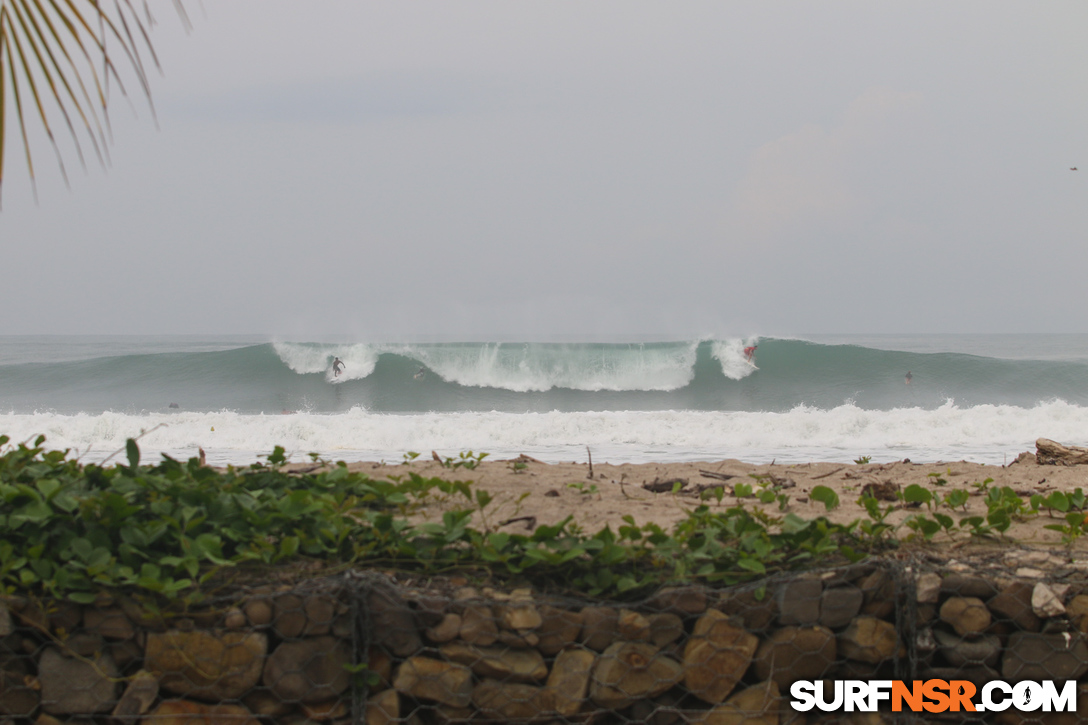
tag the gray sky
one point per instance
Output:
(393, 169)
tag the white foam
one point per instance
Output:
(525, 367)
(532, 367)
(730, 353)
(359, 359)
(986, 433)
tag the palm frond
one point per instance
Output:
(57, 57)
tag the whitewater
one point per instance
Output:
(983, 398)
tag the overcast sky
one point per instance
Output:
(394, 169)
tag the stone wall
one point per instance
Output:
(364, 648)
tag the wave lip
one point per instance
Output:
(536, 367)
(730, 353)
(359, 359)
(521, 368)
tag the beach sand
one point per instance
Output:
(542, 493)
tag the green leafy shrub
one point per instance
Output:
(68, 529)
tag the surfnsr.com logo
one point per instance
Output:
(934, 696)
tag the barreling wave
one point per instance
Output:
(702, 375)
(523, 367)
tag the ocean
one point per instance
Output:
(982, 398)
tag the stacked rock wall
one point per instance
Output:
(363, 648)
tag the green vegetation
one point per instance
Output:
(68, 529)
(178, 529)
(60, 56)
(468, 461)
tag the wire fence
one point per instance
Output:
(366, 647)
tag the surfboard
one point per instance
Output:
(752, 364)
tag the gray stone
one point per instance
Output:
(393, 625)
(289, 618)
(758, 614)
(234, 618)
(77, 686)
(879, 590)
(966, 585)
(515, 665)
(1045, 602)
(446, 630)
(799, 601)
(17, 698)
(796, 653)
(665, 628)
(188, 712)
(928, 588)
(1013, 603)
(1030, 656)
(519, 616)
(683, 601)
(64, 616)
(309, 670)
(631, 671)
(478, 625)
(139, 696)
(510, 701)
(124, 652)
(869, 639)
(632, 626)
(83, 644)
(839, 605)
(569, 680)
(756, 705)
(320, 610)
(383, 708)
(263, 703)
(600, 627)
(429, 679)
(558, 630)
(211, 664)
(258, 612)
(962, 652)
(110, 623)
(967, 615)
(716, 656)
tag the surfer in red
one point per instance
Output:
(749, 352)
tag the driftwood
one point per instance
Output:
(715, 474)
(530, 521)
(829, 473)
(1052, 453)
(656, 486)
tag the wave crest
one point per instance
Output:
(359, 359)
(730, 353)
(541, 367)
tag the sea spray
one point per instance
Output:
(359, 359)
(730, 353)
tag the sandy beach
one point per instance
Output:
(539, 493)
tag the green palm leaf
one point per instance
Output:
(57, 61)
